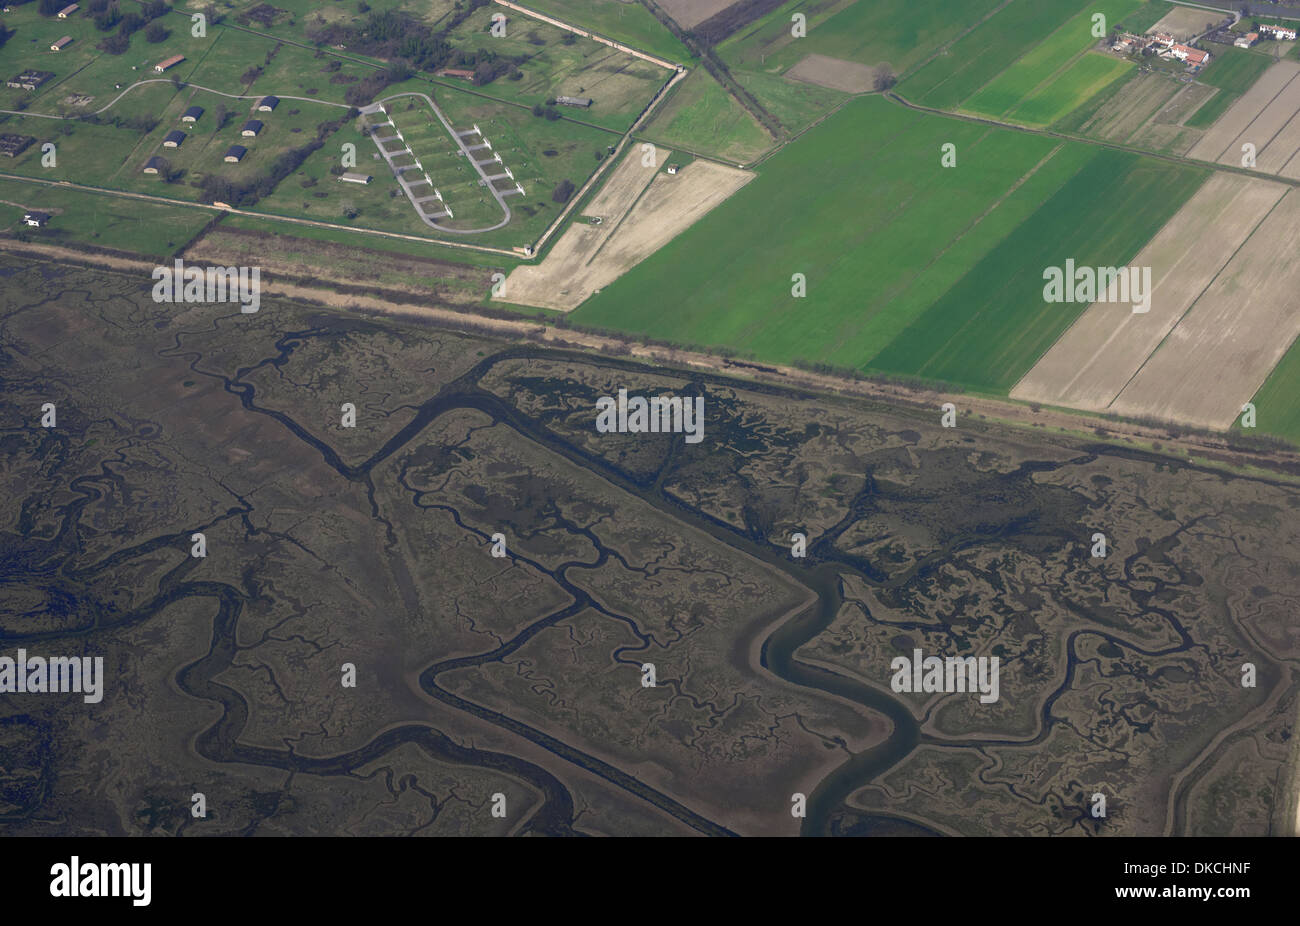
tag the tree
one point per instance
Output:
(156, 33)
(883, 79)
(108, 19)
(116, 44)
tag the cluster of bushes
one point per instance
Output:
(365, 91)
(563, 190)
(108, 14)
(399, 37)
(219, 189)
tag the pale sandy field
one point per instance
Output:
(1219, 355)
(589, 257)
(1270, 103)
(1090, 365)
(835, 73)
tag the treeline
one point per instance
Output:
(399, 37)
(218, 189)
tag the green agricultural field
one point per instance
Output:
(1234, 69)
(1276, 407)
(1044, 63)
(877, 239)
(898, 33)
(1086, 77)
(990, 328)
(1077, 118)
(1209, 112)
(629, 23)
(702, 117)
(796, 104)
(1144, 16)
(106, 221)
(976, 58)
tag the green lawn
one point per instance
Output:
(993, 325)
(106, 221)
(620, 85)
(367, 243)
(861, 206)
(978, 57)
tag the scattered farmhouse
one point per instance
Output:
(354, 177)
(192, 114)
(29, 79)
(69, 10)
(62, 43)
(174, 139)
(459, 73)
(251, 128)
(13, 145)
(1193, 56)
(580, 101)
(36, 219)
(673, 168)
(1162, 44)
(168, 63)
(1247, 40)
(154, 165)
(236, 154)
(268, 104)
(1277, 32)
